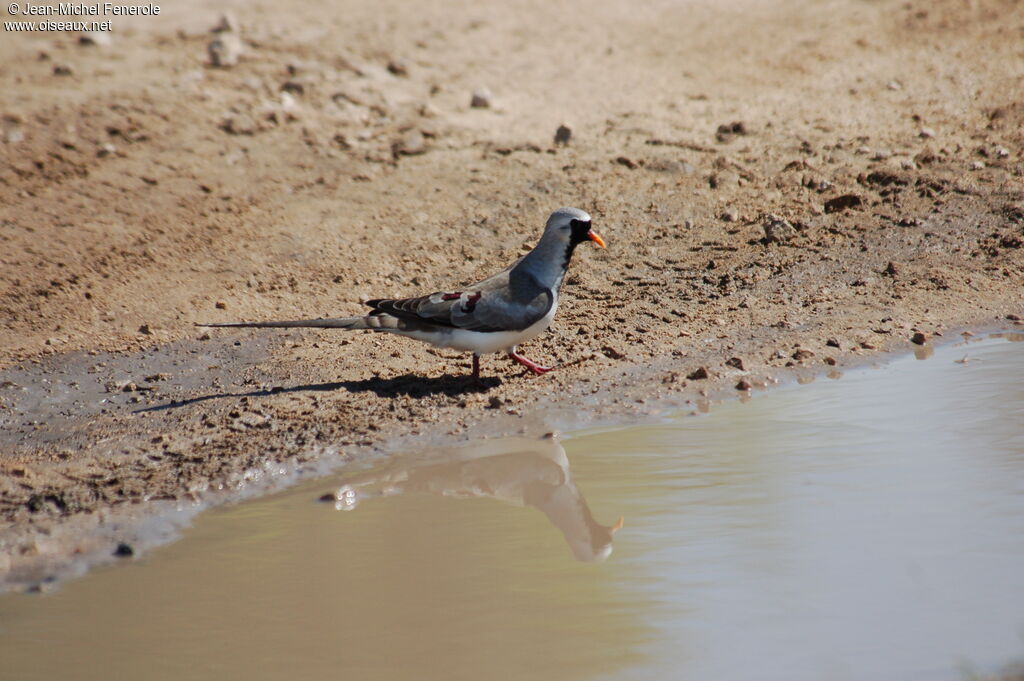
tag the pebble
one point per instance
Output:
(802, 354)
(743, 385)
(228, 23)
(735, 362)
(124, 550)
(628, 162)
(95, 38)
(727, 131)
(225, 49)
(977, 165)
(698, 374)
(842, 202)
(239, 125)
(410, 143)
(612, 353)
(397, 67)
(777, 229)
(220, 305)
(481, 99)
(62, 70)
(563, 134)
(144, 329)
(13, 132)
(919, 338)
(926, 133)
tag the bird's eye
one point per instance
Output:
(578, 224)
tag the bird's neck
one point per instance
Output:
(548, 261)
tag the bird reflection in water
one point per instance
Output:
(519, 471)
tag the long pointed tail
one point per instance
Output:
(336, 323)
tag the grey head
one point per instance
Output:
(571, 226)
(565, 230)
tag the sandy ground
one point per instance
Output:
(785, 188)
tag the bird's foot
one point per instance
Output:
(532, 366)
(476, 368)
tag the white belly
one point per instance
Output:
(483, 343)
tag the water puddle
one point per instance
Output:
(871, 527)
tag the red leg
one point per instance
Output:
(532, 366)
(476, 367)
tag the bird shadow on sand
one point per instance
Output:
(410, 385)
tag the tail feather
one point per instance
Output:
(335, 323)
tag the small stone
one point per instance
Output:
(145, 330)
(124, 550)
(743, 385)
(13, 132)
(563, 134)
(129, 387)
(397, 67)
(95, 38)
(867, 345)
(62, 70)
(832, 343)
(1002, 152)
(919, 338)
(894, 85)
(729, 216)
(698, 374)
(225, 49)
(977, 165)
(293, 87)
(411, 143)
(220, 305)
(612, 353)
(801, 354)
(831, 361)
(926, 133)
(1013, 317)
(228, 23)
(891, 270)
(628, 162)
(735, 362)
(777, 230)
(727, 131)
(495, 402)
(239, 125)
(842, 202)
(329, 497)
(481, 99)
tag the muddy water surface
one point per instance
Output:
(869, 527)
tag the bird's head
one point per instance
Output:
(572, 226)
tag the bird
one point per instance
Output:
(493, 315)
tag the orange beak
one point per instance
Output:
(618, 524)
(596, 239)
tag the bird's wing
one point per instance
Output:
(487, 306)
